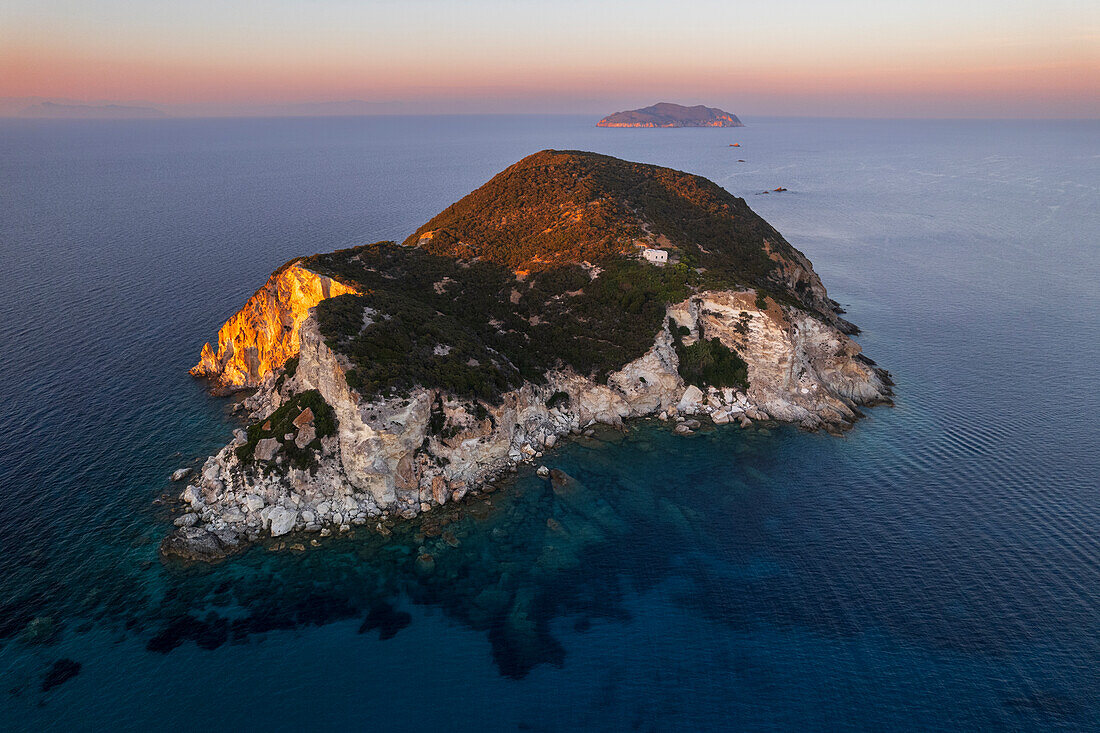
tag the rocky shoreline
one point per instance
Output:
(397, 458)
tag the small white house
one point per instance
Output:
(656, 256)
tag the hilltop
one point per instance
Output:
(540, 269)
(556, 208)
(666, 114)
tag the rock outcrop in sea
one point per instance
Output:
(330, 446)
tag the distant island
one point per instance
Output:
(573, 289)
(90, 111)
(666, 114)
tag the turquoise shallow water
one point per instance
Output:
(935, 568)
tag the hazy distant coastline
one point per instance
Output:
(54, 110)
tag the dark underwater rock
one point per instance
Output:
(59, 673)
(194, 544)
(386, 619)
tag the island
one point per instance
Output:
(666, 114)
(571, 290)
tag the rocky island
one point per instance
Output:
(392, 379)
(666, 114)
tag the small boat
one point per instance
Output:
(735, 145)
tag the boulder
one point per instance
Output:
(193, 496)
(282, 520)
(691, 399)
(195, 544)
(211, 493)
(180, 474)
(266, 449)
(542, 471)
(186, 520)
(404, 478)
(306, 435)
(211, 471)
(253, 503)
(683, 429)
(305, 417)
(439, 490)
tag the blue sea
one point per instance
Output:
(935, 568)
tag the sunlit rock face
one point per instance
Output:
(264, 333)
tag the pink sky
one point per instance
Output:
(790, 57)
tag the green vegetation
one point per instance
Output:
(710, 363)
(281, 423)
(437, 419)
(538, 269)
(558, 398)
(475, 331)
(558, 207)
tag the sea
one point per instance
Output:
(937, 567)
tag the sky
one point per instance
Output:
(881, 58)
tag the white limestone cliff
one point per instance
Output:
(386, 461)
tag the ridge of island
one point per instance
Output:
(572, 289)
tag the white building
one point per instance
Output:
(656, 256)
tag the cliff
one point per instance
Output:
(424, 371)
(261, 336)
(666, 114)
